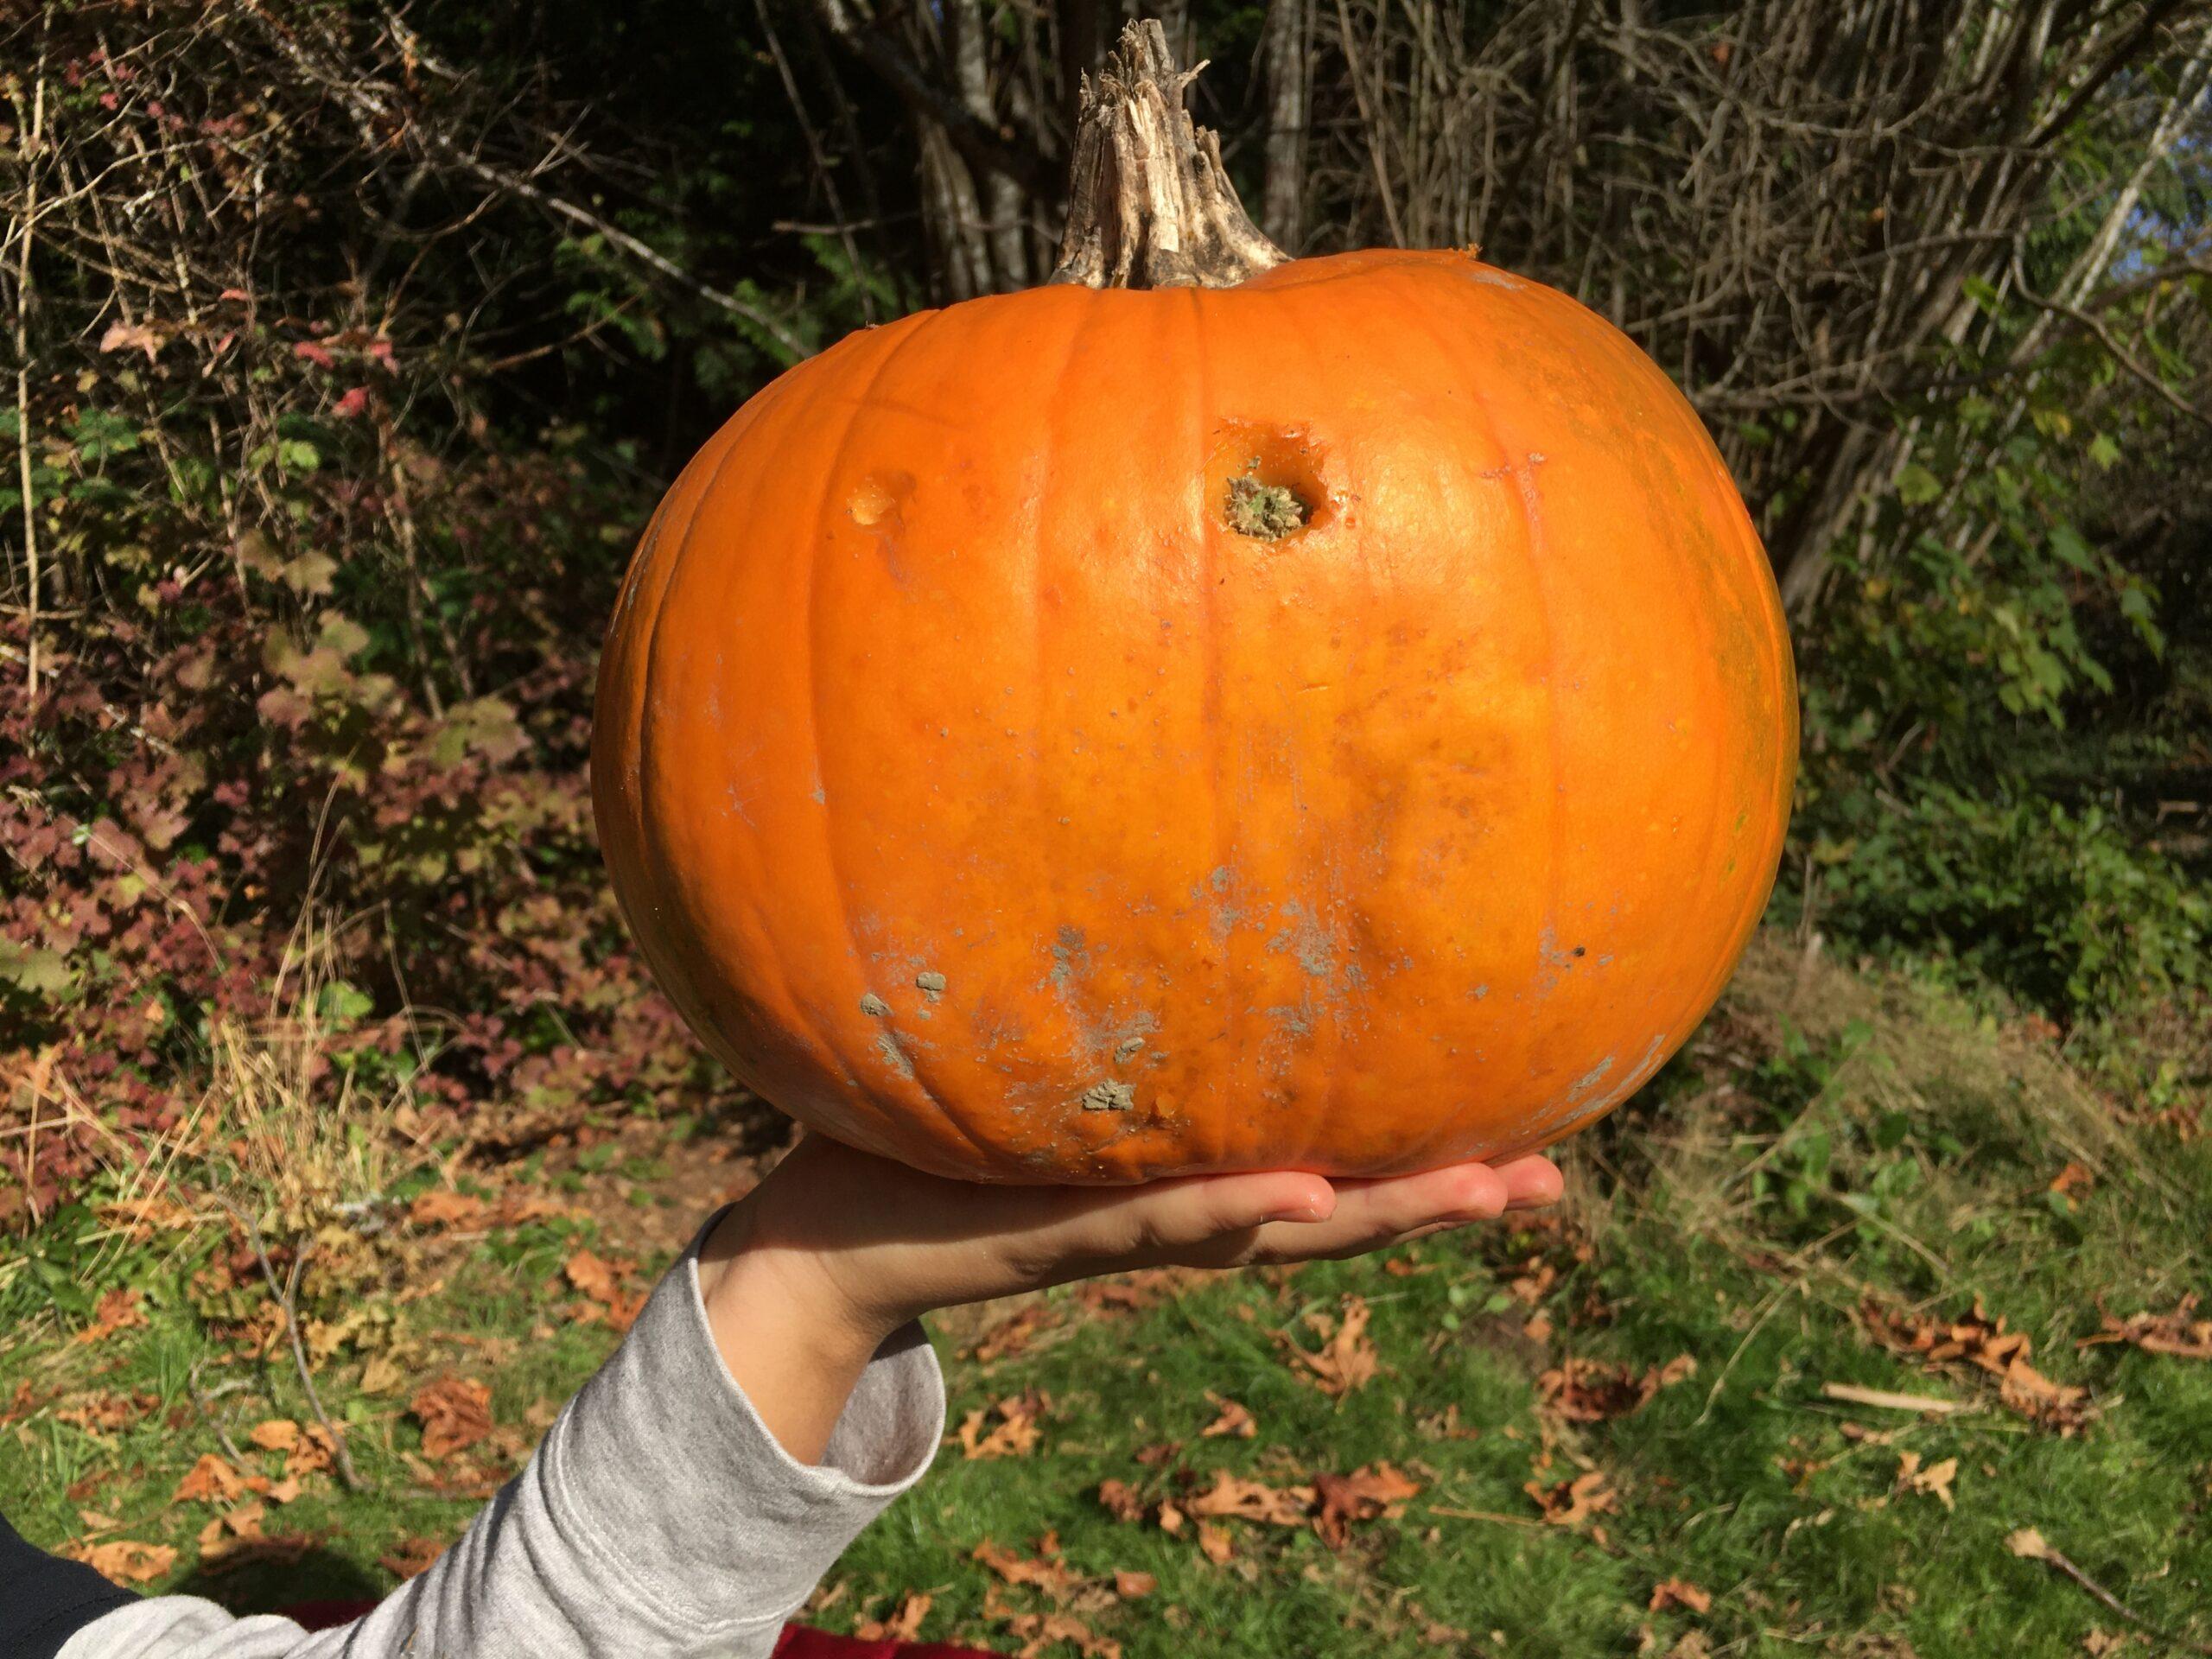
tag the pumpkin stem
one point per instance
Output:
(1149, 205)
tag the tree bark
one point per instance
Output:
(1290, 79)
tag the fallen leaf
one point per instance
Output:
(1043, 1572)
(2179, 1335)
(1446, 1426)
(1120, 1500)
(1346, 1359)
(211, 1480)
(1593, 1391)
(103, 1413)
(1977, 1343)
(455, 1412)
(1934, 1480)
(1679, 1593)
(314, 1452)
(905, 1623)
(447, 1208)
(410, 1555)
(1250, 1500)
(1017, 1435)
(1377, 1491)
(1171, 1517)
(128, 1562)
(274, 1434)
(2073, 1176)
(2028, 1544)
(1013, 1334)
(119, 1310)
(1571, 1502)
(1134, 1586)
(601, 1282)
(1233, 1421)
(1215, 1543)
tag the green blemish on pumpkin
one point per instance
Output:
(1266, 513)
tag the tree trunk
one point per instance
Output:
(1290, 74)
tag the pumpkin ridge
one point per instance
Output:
(1522, 472)
(904, 1059)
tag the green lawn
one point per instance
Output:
(1882, 1148)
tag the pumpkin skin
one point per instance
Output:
(982, 798)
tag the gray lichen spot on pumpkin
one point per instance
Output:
(1265, 511)
(929, 985)
(874, 1006)
(894, 1056)
(1590, 1079)
(1108, 1096)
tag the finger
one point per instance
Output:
(1170, 1218)
(1531, 1183)
(1370, 1214)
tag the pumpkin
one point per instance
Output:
(1210, 712)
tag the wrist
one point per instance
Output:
(755, 1271)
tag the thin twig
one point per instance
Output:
(205, 1401)
(287, 1305)
(2031, 1544)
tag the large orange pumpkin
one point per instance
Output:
(1332, 715)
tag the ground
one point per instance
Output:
(1869, 1330)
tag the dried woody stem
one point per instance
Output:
(1149, 205)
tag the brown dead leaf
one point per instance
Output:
(1346, 1359)
(1593, 1391)
(102, 1413)
(1251, 1500)
(1977, 1343)
(211, 1480)
(1215, 1543)
(1044, 1572)
(1378, 1490)
(412, 1554)
(2179, 1335)
(274, 1434)
(1573, 1503)
(1013, 1334)
(1129, 1292)
(905, 1623)
(126, 1560)
(1134, 1586)
(1679, 1593)
(119, 1310)
(447, 1208)
(2071, 1177)
(1041, 1630)
(455, 1412)
(1234, 1420)
(1120, 1500)
(1934, 1480)
(314, 1452)
(1017, 1435)
(1171, 1517)
(1446, 1426)
(602, 1282)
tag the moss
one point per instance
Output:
(1268, 512)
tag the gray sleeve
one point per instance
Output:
(659, 1520)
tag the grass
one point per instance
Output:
(1830, 1138)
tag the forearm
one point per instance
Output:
(661, 1515)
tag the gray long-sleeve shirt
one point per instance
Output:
(658, 1517)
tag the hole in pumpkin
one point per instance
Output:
(1267, 511)
(1268, 481)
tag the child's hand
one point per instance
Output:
(837, 1249)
